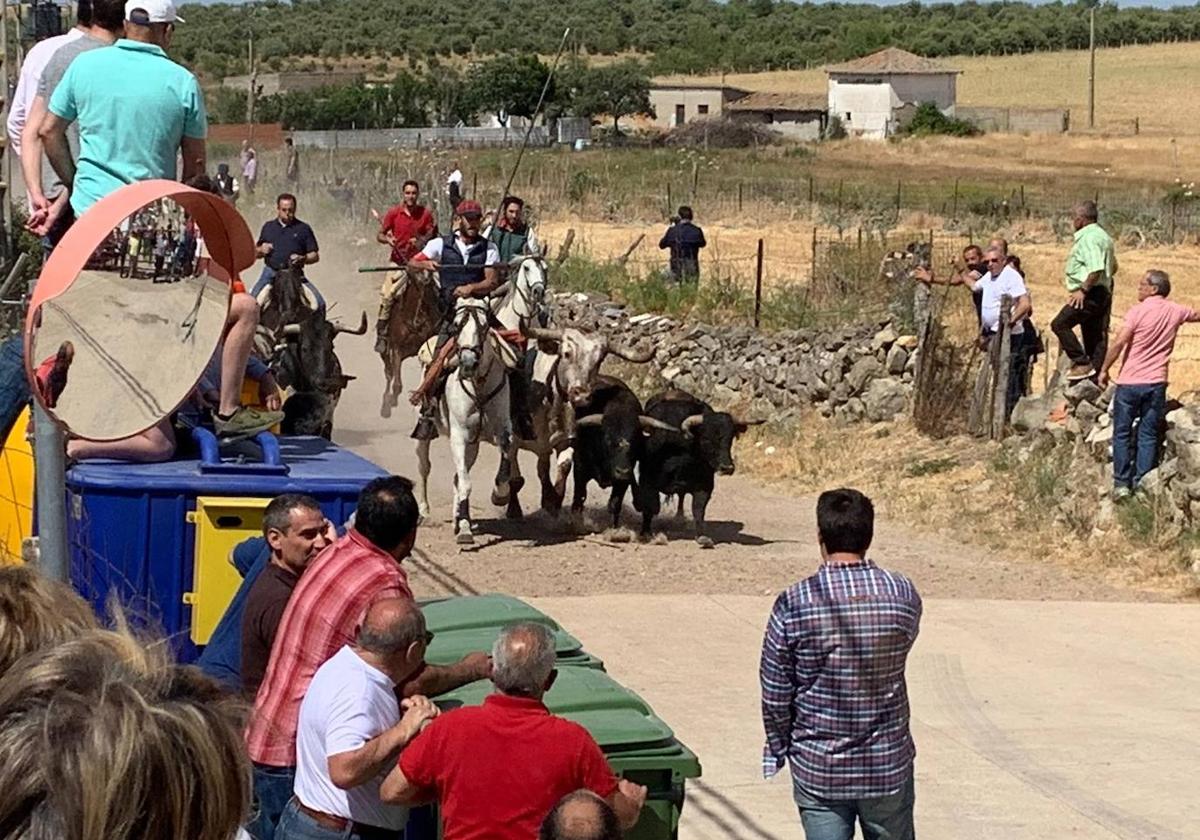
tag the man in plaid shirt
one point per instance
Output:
(834, 699)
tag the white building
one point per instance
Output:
(872, 95)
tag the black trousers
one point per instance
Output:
(1092, 320)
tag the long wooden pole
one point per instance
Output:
(1092, 67)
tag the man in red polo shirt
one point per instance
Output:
(498, 769)
(406, 228)
(323, 615)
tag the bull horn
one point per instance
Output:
(590, 420)
(541, 333)
(362, 327)
(650, 423)
(631, 355)
(738, 421)
(691, 423)
(291, 329)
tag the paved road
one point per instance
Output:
(1033, 720)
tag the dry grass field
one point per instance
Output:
(1142, 82)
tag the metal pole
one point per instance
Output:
(1092, 67)
(50, 482)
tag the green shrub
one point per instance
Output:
(928, 120)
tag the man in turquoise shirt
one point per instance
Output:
(136, 110)
(1089, 273)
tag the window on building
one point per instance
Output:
(702, 110)
(847, 116)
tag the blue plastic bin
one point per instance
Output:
(128, 523)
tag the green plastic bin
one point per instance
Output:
(471, 623)
(639, 745)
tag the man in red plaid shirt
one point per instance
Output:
(323, 615)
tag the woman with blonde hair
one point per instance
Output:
(102, 737)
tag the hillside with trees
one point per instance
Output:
(674, 36)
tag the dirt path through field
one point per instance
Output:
(765, 537)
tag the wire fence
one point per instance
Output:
(612, 188)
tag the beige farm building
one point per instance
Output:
(799, 116)
(676, 104)
(872, 95)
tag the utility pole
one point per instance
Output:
(1092, 66)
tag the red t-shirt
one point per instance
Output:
(420, 226)
(498, 769)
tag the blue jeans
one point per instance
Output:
(14, 387)
(296, 825)
(268, 275)
(1145, 405)
(272, 792)
(882, 818)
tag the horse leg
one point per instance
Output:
(501, 420)
(679, 509)
(423, 468)
(464, 454)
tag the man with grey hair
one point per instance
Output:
(1089, 273)
(351, 730)
(498, 769)
(581, 815)
(1147, 338)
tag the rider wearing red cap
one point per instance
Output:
(466, 266)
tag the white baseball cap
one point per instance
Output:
(151, 11)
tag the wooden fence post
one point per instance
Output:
(739, 196)
(954, 214)
(670, 206)
(475, 186)
(898, 184)
(1003, 342)
(811, 190)
(813, 268)
(758, 273)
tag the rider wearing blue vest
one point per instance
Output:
(466, 265)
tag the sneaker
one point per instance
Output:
(1120, 493)
(1078, 372)
(246, 421)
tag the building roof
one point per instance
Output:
(697, 86)
(891, 61)
(763, 101)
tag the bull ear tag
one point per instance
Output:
(131, 306)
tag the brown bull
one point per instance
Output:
(409, 306)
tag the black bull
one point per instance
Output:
(686, 461)
(303, 357)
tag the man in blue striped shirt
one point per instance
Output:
(834, 700)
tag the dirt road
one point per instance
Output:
(765, 537)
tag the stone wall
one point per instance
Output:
(849, 374)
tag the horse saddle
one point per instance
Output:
(511, 354)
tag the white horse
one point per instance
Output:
(474, 407)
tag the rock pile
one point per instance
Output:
(850, 374)
(1079, 416)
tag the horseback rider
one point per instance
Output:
(287, 243)
(405, 228)
(514, 237)
(512, 234)
(466, 265)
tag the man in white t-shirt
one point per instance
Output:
(351, 730)
(1001, 280)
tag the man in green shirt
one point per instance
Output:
(1090, 268)
(511, 233)
(136, 110)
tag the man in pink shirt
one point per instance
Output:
(1147, 339)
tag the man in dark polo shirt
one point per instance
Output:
(296, 531)
(684, 239)
(498, 769)
(286, 242)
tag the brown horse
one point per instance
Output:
(411, 321)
